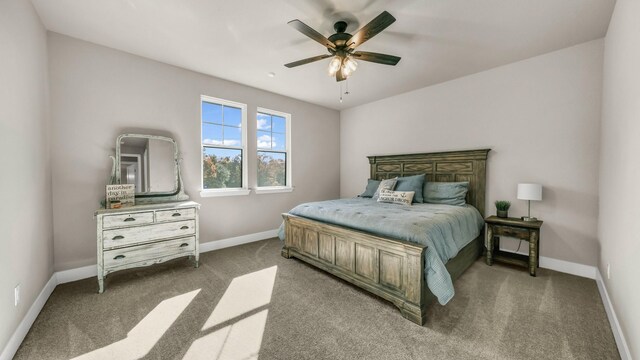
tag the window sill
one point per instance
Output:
(224, 192)
(273, 190)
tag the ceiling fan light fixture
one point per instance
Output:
(351, 64)
(346, 71)
(334, 65)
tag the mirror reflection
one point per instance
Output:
(149, 164)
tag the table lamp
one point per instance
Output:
(529, 192)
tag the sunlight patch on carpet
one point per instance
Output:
(144, 336)
(242, 338)
(240, 341)
(239, 315)
(245, 293)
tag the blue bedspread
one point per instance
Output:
(445, 229)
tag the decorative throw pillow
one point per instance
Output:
(387, 184)
(449, 193)
(396, 197)
(370, 190)
(412, 183)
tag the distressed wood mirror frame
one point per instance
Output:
(177, 194)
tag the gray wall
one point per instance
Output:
(540, 116)
(620, 169)
(98, 93)
(26, 255)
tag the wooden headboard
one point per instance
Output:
(469, 165)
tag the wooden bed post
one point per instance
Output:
(285, 252)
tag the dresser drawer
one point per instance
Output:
(146, 233)
(175, 214)
(148, 254)
(126, 219)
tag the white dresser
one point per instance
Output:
(144, 235)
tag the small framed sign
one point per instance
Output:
(121, 195)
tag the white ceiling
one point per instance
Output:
(244, 40)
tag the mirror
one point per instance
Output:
(151, 164)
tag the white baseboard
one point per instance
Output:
(623, 348)
(70, 275)
(238, 240)
(24, 326)
(567, 267)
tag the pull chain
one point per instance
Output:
(346, 81)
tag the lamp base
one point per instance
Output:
(526, 218)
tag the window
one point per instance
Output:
(224, 141)
(273, 134)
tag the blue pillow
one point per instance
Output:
(372, 186)
(412, 183)
(449, 193)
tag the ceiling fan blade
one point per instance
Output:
(306, 61)
(370, 30)
(376, 58)
(305, 29)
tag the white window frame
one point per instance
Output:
(288, 170)
(244, 190)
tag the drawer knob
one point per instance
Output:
(184, 244)
(130, 219)
(117, 237)
(119, 257)
(185, 227)
(176, 214)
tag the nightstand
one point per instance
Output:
(519, 229)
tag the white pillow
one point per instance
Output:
(387, 184)
(396, 197)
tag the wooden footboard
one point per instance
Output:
(391, 269)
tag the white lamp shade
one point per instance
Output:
(530, 192)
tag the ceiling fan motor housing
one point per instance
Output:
(340, 26)
(340, 38)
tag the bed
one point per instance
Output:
(379, 261)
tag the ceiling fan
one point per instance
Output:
(342, 46)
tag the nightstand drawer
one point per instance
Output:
(127, 219)
(139, 234)
(175, 215)
(502, 230)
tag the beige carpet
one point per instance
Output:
(165, 312)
